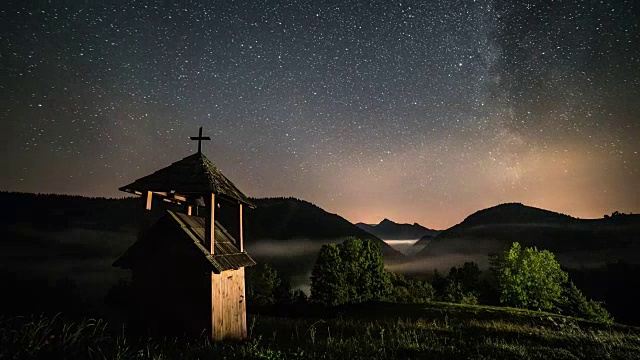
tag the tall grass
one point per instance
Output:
(453, 335)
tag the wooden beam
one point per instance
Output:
(241, 231)
(149, 199)
(210, 229)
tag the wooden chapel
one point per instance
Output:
(188, 270)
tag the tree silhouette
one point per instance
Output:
(350, 272)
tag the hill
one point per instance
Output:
(290, 219)
(494, 229)
(53, 211)
(389, 230)
(510, 213)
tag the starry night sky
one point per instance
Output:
(418, 111)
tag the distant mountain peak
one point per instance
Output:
(391, 230)
(514, 205)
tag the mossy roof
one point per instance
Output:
(193, 175)
(226, 255)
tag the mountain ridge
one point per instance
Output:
(280, 219)
(291, 218)
(505, 223)
(390, 230)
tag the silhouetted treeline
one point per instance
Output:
(52, 211)
(615, 284)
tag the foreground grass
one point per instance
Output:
(376, 331)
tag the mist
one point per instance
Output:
(286, 248)
(442, 263)
(405, 246)
(85, 256)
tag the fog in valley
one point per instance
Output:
(293, 259)
(405, 246)
(85, 256)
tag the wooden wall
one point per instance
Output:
(176, 293)
(171, 301)
(228, 305)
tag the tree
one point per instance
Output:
(468, 276)
(374, 281)
(578, 305)
(421, 291)
(454, 292)
(463, 284)
(529, 278)
(410, 291)
(267, 289)
(263, 285)
(353, 263)
(350, 272)
(328, 284)
(299, 297)
(439, 284)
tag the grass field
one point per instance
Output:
(371, 331)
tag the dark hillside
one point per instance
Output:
(290, 219)
(273, 219)
(52, 211)
(511, 213)
(503, 214)
(495, 228)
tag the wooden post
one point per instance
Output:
(210, 223)
(241, 240)
(147, 215)
(209, 234)
(149, 199)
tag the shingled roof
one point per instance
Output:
(193, 175)
(226, 255)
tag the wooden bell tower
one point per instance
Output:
(186, 267)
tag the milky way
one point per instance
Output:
(419, 111)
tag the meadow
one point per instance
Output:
(365, 331)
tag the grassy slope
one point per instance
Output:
(382, 331)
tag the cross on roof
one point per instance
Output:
(200, 138)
